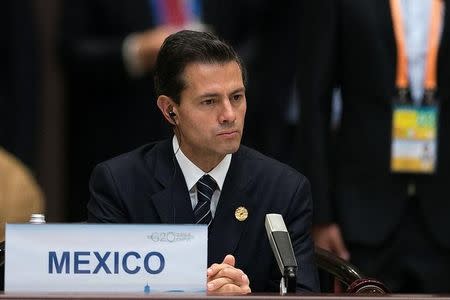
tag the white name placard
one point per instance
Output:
(106, 258)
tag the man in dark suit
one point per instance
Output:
(393, 226)
(201, 93)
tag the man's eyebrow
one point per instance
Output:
(239, 90)
(208, 95)
(212, 95)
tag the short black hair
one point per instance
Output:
(183, 48)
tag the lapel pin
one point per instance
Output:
(241, 213)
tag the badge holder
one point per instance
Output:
(414, 134)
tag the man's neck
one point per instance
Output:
(205, 162)
(192, 172)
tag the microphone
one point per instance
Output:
(282, 249)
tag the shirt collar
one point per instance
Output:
(192, 173)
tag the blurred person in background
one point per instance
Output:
(108, 49)
(20, 195)
(18, 80)
(263, 32)
(379, 181)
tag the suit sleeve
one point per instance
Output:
(105, 204)
(299, 221)
(317, 69)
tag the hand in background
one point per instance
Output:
(225, 278)
(329, 237)
(149, 42)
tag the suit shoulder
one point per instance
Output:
(132, 160)
(271, 167)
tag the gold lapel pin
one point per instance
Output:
(241, 213)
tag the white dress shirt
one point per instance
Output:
(416, 19)
(192, 174)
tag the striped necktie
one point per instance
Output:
(205, 189)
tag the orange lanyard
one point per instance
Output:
(402, 80)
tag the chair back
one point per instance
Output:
(348, 274)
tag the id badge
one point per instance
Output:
(414, 138)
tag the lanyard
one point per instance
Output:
(402, 81)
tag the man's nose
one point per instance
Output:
(228, 113)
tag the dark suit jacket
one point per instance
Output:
(351, 44)
(147, 186)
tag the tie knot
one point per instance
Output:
(206, 186)
(205, 189)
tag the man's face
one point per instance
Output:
(211, 112)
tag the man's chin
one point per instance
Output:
(228, 146)
(232, 148)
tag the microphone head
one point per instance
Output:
(275, 222)
(280, 241)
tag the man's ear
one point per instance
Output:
(166, 106)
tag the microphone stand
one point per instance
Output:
(288, 281)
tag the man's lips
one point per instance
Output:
(228, 133)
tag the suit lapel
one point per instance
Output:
(385, 18)
(225, 231)
(172, 203)
(389, 53)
